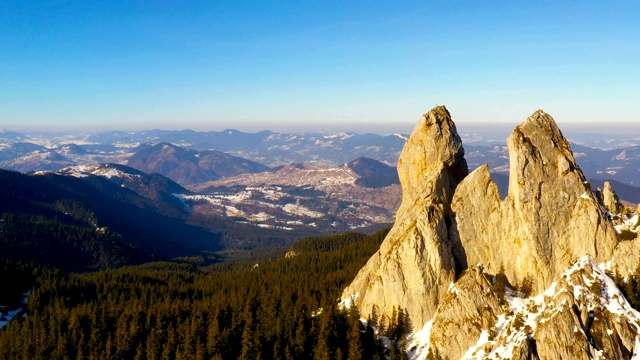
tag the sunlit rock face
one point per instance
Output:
(549, 218)
(451, 221)
(415, 265)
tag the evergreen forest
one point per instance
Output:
(277, 308)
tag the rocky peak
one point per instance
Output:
(433, 147)
(549, 218)
(415, 264)
(538, 153)
(450, 220)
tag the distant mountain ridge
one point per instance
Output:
(27, 153)
(111, 206)
(152, 186)
(373, 173)
(190, 167)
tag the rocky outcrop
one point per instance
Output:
(415, 265)
(470, 307)
(609, 199)
(554, 325)
(549, 218)
(626, 256)
(563, 329)
(450, 221)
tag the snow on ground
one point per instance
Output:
(534, 310)
(301, 210)
(346, 303)
(112, 173)
(233, 211)
(261, 216)
(11, 314)
(4, 320)
(85, 170)
(341, 136)
(266, 226)
(418, 342)
(585, 196)
(630, 222)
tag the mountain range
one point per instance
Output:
(191, 157)
(495, 251)
(283, 182)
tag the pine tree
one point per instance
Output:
(354, 335)
(322, 350)
(251, 342)
(373, 318)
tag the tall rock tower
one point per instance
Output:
(415, 265)
(449, 221)
(549, 219)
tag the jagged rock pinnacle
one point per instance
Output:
(449, 221)
(549, 218)
(434, 141)
(610, 200)
(415, 263)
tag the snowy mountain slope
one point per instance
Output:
(301, 194)
(584, 315)
(151, 186)
(38, 160)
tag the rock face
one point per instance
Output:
(549, 218)
(414, 266)
(449, 221)
(474, 322)
(470, 307)
(562, 329)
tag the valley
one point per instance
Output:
(281, 180)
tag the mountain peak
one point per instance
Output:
(434, 145)
(415, 264)
(449, 221)
(549, 218)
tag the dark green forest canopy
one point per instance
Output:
(285, 308)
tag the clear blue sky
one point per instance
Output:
(352, 65)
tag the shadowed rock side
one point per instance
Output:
(549, 218)
(414, 266)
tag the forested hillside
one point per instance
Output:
(281, 309)
(91, 216)
(44, 241)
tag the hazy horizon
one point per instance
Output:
(620, 129)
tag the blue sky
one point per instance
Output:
(313, 65)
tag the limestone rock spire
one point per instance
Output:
(549, 218)
(415, 263)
